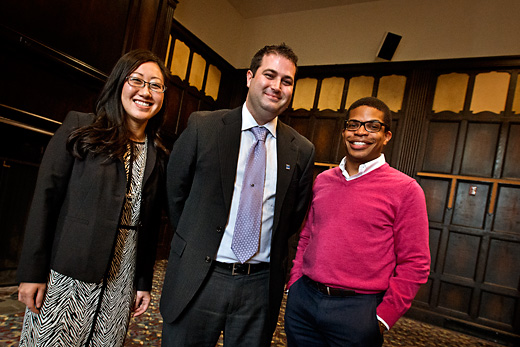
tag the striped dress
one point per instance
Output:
(76, 313)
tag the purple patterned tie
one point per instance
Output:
(249, 215)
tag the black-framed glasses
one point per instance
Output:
(372, 126)
(140, 83)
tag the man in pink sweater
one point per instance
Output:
(363, 252)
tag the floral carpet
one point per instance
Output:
(146, 329)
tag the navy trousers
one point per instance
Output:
(316, 319)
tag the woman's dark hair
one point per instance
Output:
(108, 134)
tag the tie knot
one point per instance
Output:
(260, 133)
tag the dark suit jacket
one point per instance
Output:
(200, 179)
(74, 216)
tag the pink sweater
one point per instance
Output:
(369, 234)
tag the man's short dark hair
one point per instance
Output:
(282, 49)
(371, 101)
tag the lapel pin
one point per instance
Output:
(287, 167)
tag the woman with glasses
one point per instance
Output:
(90, 241)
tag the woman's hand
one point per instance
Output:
(31, 294)
(142, 300)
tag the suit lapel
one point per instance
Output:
(287, 158)
(228, 148)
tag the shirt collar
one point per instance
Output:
(249, 122)
(363, 168)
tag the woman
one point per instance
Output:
(91, 235)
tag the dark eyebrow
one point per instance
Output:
(277, 73)
(142, 76)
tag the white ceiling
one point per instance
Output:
(259, 8)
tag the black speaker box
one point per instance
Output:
(389, 45)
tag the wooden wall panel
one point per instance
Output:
(435, 238)
(20, 153)
(512, 157)
(455, 297)
(299, 120)
(503, 265)
(462, 255)
(507, 215)
(40, 85)
(479, 159)
(389, 149)
(325, 138)
(78, 28)
(450, 149)
(498, 308)
(470, 210)
(58, 55)
(436, 192)
(190, 104)
(440, 147)
(174, 99)
(424, 294)
(17, 182)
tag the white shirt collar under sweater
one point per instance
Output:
(363, 168)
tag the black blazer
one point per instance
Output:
(200, 180)
(74, 216)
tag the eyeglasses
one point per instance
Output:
(372, 126)
(140, 83)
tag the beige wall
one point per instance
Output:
(440, 29)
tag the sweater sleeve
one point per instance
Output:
(411, 235)
(305, 235)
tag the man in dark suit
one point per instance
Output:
(207, 289)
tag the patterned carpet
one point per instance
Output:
(146, 329)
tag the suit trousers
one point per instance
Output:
(314, 319)
(237, 305)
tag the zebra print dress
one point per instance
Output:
(76, 313)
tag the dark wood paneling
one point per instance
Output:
(435, 238)
(325, 138)
(512, 157)
(391, 146)
(503, 267)
(174, 99)
(470, 210)
(42, 85)
(56, 55)
(92, 31)
(436, 193)
(455, 297)
(471, 287)
(507, 215)
(498, 308)
(190, 104)
(461, 255)
(411, 121)
(17, 181)
(440, 147)
(300, 123)
(423, 296)
(480, 149)
(20, 153)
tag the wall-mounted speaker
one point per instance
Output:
(389, 45)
